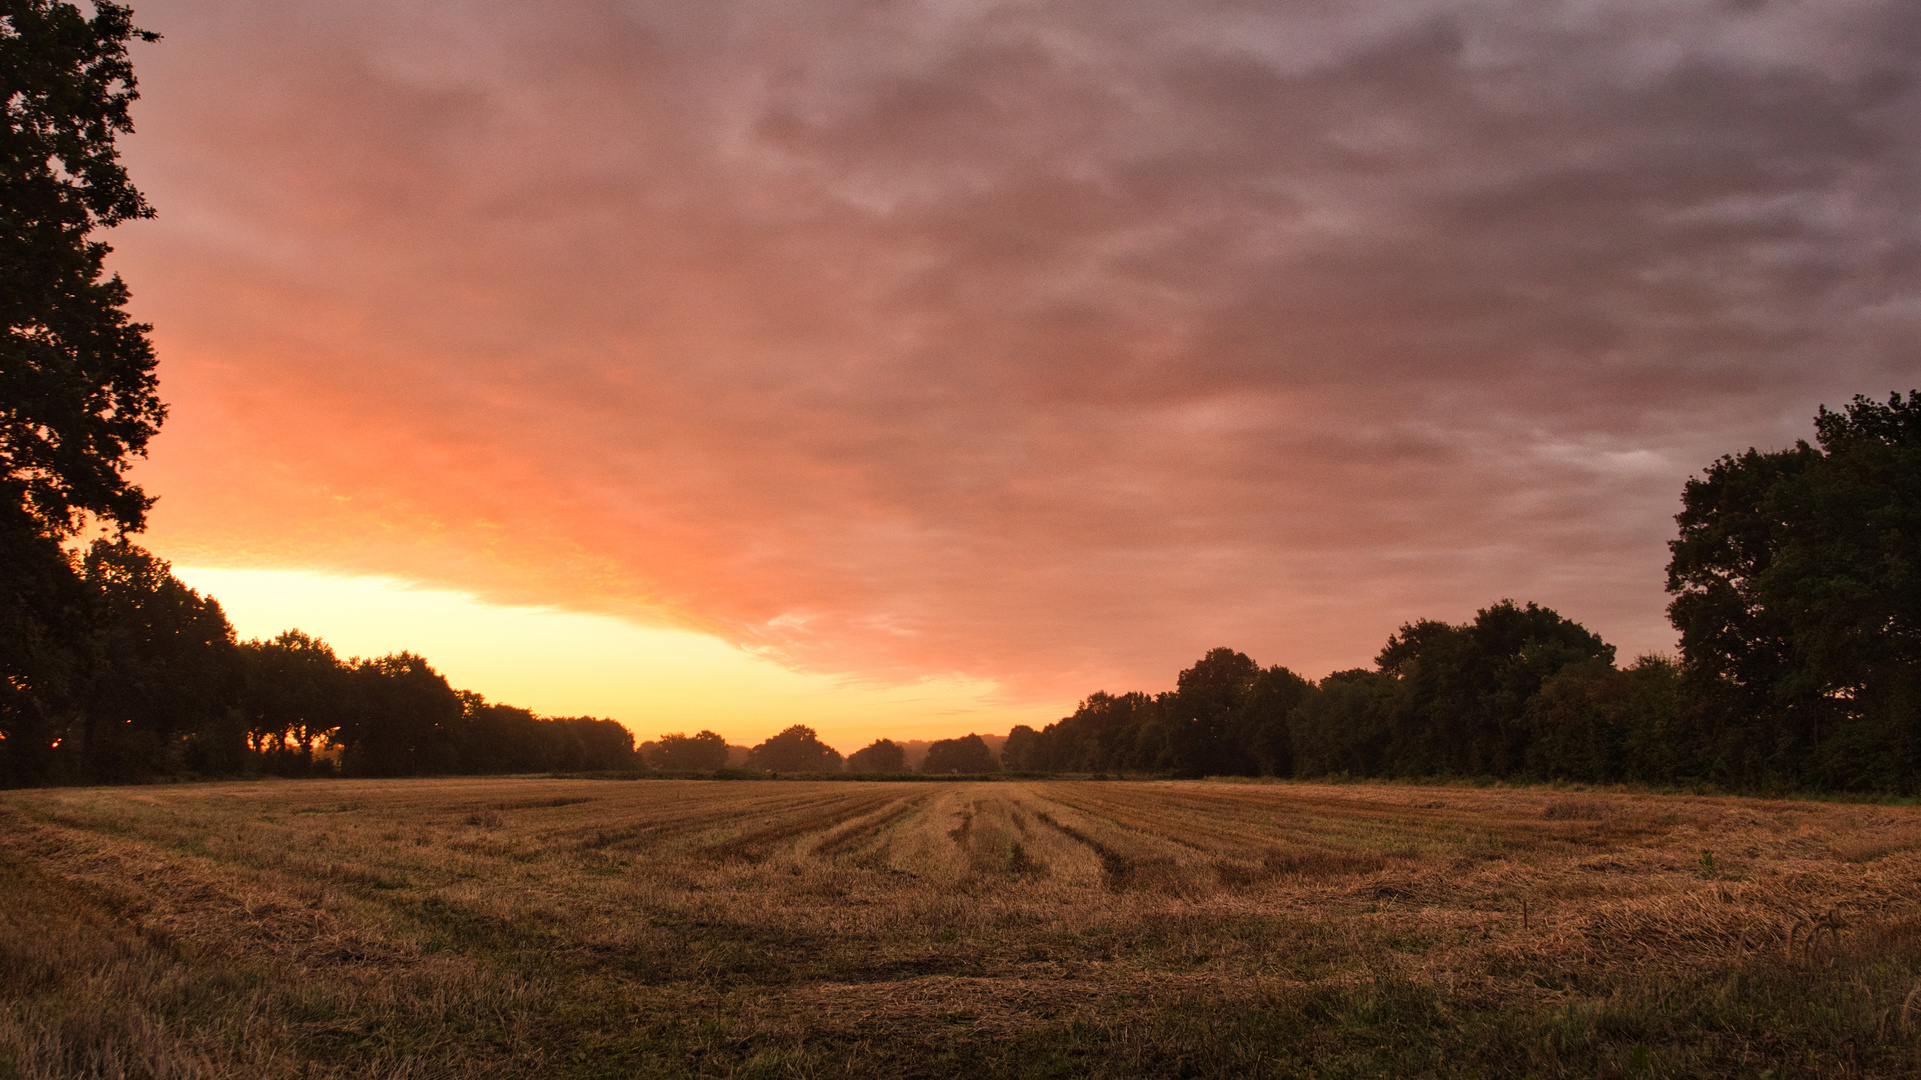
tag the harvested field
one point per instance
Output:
(526, 927)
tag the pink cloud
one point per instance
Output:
(1047, 345)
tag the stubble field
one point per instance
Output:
(576, 928)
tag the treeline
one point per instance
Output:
(1796, 580)
(798, 749)
(136, 677)
(1518, 692)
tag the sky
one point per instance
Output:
(926, 366)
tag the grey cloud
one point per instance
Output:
(1048, 343)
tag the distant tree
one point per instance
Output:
(1154, 742)
(1797, 591)
(402, 719)
(506, 739)
(1208, 734)
(1469, 686)
(703, 752)
(494, 738)
(1262, 720)
(294, 695)
(1349, 725)
(1024, 751)
(880, 756)
(797, 749)
(593, 744)
(1592, 721)
(165, 696)
(968, 754)
(1103, 735)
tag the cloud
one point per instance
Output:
(1047, 344)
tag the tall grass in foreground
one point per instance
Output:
(575, 929)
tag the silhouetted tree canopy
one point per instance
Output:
(1592, 721)
(48, 646)
(508, 739)
(401, 719)
(1207, 737)
(1798, 599)
(294, 697)
(1797, 591)
(1469, 685)
(78, 394)
(703, 752)
(1024, 750)
(967, 754)
(880, 756)
(1352, 726)
(164, 696)
(797, 749)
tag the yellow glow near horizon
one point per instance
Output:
(561, 663)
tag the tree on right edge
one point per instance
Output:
(1797, 591)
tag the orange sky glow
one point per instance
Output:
(919, 368)
(655, 679)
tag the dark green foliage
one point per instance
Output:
(1350, 725)
(401, 718)
(1797, 591)
(797, 749)
(968, 754)
(1520, 692)
(703, 752)
(135, 675)
(501, 738)
(396, 716)
(1228, 717)
(881, 756)
(580, 743)
(1468, 687)
(1205, 730)
(1103, 735)
(1594, 722)
(1457, 700)
(1262, 720)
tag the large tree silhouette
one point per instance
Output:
(967, 754)
(797, 749)
(879, 756)
(680, 752)
(1797, 592)
(77, 388)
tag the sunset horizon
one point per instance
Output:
(960, 539)
(1013, 354)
